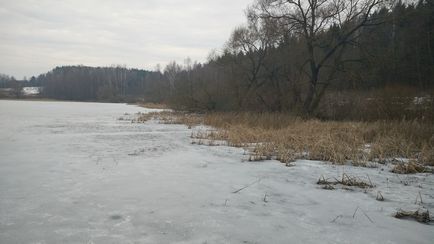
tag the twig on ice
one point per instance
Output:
(337, 217)
(367, 216)
(420, 197)
(251, 184)
(364, 213)
(354, 214)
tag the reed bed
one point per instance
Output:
(287, 138)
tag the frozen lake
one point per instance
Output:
(75, 173)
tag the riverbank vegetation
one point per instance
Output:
(287, 138)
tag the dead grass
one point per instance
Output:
(410, 168)
(171, 117)
(153, 105)
(346, 180)
(288, 138)
(418, 215)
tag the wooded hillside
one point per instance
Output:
(333, 59)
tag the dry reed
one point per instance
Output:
(410, 168)
(287, 138)
(153, 105)
(346, 180)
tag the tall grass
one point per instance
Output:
(287, 138)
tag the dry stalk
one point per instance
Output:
(380, 196)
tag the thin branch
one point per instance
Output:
(249, 185)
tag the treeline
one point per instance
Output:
(11, 87)
(7, 81)
(114, 84)
(333, 59)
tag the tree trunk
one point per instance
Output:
(308, 109)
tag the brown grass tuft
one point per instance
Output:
(410, 168)
(418, 215)
(346, 180)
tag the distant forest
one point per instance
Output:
(333, 59)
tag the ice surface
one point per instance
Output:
(75, 173)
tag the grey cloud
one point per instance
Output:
(35, 36)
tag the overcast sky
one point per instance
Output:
(37, 35)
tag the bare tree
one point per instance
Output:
(310, 19)
(17, 88)
(171, 71)
(250, 45)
